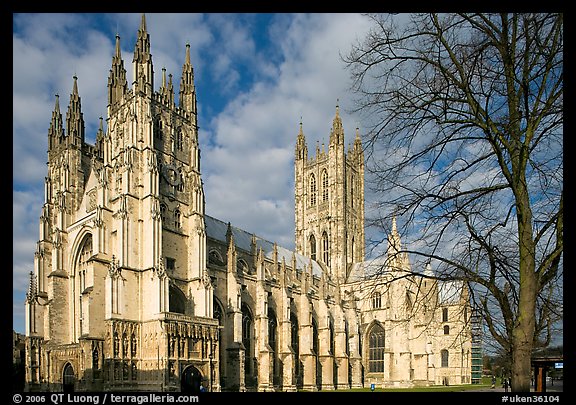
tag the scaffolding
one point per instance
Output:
(476, 330)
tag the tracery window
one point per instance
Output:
(325, 249)
(312, 247)
(324, 185)
(376, 300)
(376, 349)
(444, 357)
(312, 190)
(177, 217)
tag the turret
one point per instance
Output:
(187, 96)
(75, 118)
(142, 62)
(56, 130)
(117, 83)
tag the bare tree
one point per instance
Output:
(465, 144)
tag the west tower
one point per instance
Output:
(329, 201)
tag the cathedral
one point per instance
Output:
(136, 288)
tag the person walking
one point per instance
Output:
(493, 381)
(505, 384)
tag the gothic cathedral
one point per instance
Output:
(135, 288)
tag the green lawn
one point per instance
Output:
(486, 383)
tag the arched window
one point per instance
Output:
(273, 341)
(215, 258)
(294, 342)
(158, 128)
(82, 267)
(177, 216)
(312, 247)
(180, 183)
(177, 301)
(242, 266)
(444, 314)
(247, 336)
(352, 191)
(179, 141)
(446, 330)
(444, 357)
(376, 349)
(312, 190)
(325, 249)
(376, 300)
(324, 185)
(163, 212)
(332, 342)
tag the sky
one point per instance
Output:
(257, 77)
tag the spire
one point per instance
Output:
(56, 130)
(394, 246)
(187, 96)
(32, 288)
(358, 142)
(229, 234)
(100, 139)
(74, 117)
(301, 148)
(166, 89)
(142, 62)
(337, 132)
(117, 83)
(142, 48)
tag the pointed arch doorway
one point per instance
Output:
(190, 380)
(68, 378)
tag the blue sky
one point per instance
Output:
(257, 76)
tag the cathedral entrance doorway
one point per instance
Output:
(68, 378)
(191, 379)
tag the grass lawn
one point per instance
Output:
(486, 383)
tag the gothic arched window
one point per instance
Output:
(312, 190)
(352, 191)
(179, 140)
(82, 267)
(324, 185)
(177, 223)
(215, 258)
(312, 247)
(376, 350)
(376, 300)
(177, 301)
(325, 249)
(446, 329)
(273, 340)
(444, 314)
(247, 336)
(444, 357)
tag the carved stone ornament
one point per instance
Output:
(206, 279)
(171, 174)
(113, 269)
(160, 269)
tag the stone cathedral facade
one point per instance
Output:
(136, 288)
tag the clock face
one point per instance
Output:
(170, 173)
